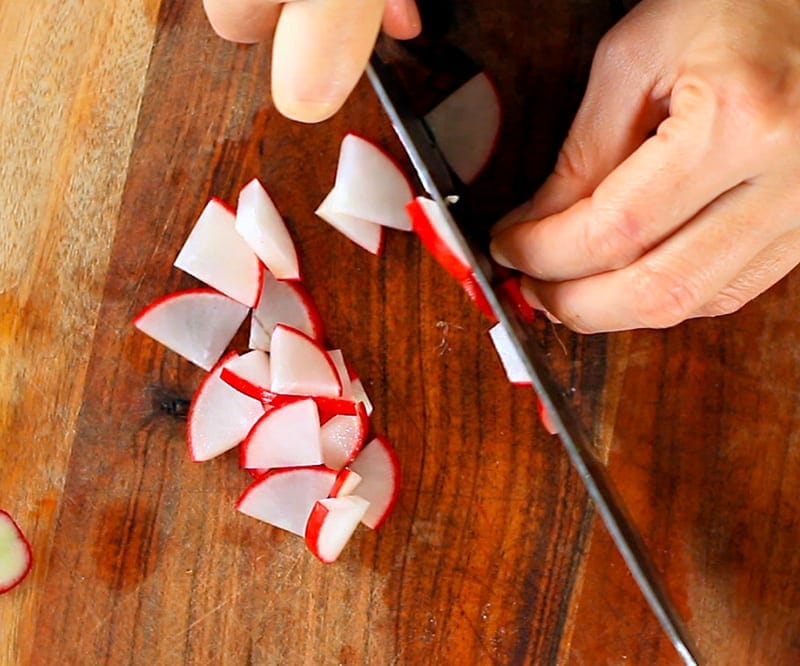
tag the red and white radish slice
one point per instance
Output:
(360, 394)
(435, 234)
(287, 436)
(346, 482)
(364, 233)
(284, 497)
(262, 227)
(370, 185)
(379, 468)
(16, 556)
(215, 254)
(331, 525)
(342, 437)
(198, 324)
(220, 416)
(545, 419)
(283, 302)
(300, 366)
(512, 362)
(248, 373)
(466, 126)
(475, 292)
(512, 289)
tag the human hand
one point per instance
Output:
(320, 47)
(635, 229)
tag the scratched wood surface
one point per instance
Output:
(118, 122)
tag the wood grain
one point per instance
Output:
(494, 555)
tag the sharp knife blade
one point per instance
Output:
(435, 177)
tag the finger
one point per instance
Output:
(320, 51)
(401, 19)
(243, 21)
(680, 276)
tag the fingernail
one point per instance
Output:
(526, 289)
(414, 22)
(496, 250)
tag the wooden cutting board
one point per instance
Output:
(118, 122)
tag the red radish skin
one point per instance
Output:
(342, 436)
(248, 373)
(16, 555)
(300, 366)
(379, 468)
(437, 239)
(331, 525)
(346, 482)
(511, 288)
(544, 418)
(476, 293)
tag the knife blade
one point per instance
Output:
(438, 182)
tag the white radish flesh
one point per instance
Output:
(248, 373)
(513, 365)
(342, 437)
(300, 366)
(364, 233)
(332, 523)
(436, 236)
(15, 553)
(379, 468)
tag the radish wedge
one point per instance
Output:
(284, 497)
(437, 238)
(215, 254)
(16, 557)
(331, 524)
(219, 417)
(466, 126)
(512, 362)
(300, 366)
(262, 227)
(287, 436)
(364, 233)
(248, 373)
(346, 482)
(379, 468)
(342, 437)
(370, 185)
(198, 324)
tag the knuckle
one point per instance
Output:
(619, 47)
(614, 236)
(660, 298)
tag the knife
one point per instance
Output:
(445, 190)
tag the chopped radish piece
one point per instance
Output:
(198, 323)
(286, 303)
(435, 234)
(284, 497)
(360, 394)
(344, 373)
(287, 436)
(545, 419)
(248, 373)
(332, 523)
(220, 416)
(379, 468)
(16, 557)
(342, 437)
(263, 228)
(346, 482)
(514, 367)
(369, 185)
(511, 287)
(364, 233)
(300, 366)
(466, 126)
(475, 292)
(215, 254)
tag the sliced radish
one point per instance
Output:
(346, 482)
(248, 373)
(364, 233)
(342, 437)
(284, 497)
(475, 292)
(360, 394)
(198, 324)
(370, 185)
(287, 436)
(511, 287)
(220, 416)
(545, 419)
(300, 366)
(262, 227)
(16, 556)
(215, 254)
(466, 126)
(435, 234)
(331, 524)
(286, 303)
(512, 362)
(379, 468)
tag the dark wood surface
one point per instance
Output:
(494, 555)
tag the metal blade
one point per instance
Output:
(437, 181)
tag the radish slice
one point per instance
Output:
(331, 524)
(248, 373)
(287, 436)
(346, 482)
(198, 324)
(435, 234)
(466, 126)
(342, 437)
(369, 185)
(379, 468)
(300, 366)
(475, 292)
(512, 362)
(220, 416)
(360, 394)
(215, 254)
(263, 228)
(364, 233)
(16, 556)
(284, 497)
(286, 303)
(511, 287)
(545, 419)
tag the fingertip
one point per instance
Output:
(300, 110)
(401, 19)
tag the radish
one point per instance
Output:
(198, 324)
(262, 227)
(466, 126)
(474, 290)
(364, 233)
(248, 373)
(220, 416)
(215, 254)
(284, 497)
(342, 437)
(360, 394)
(379, 468)
(16, 557)
(287, 436)
(331, 524)
(511, 288)
(283, 302)
(514, 367)
(435, 234)
(346, 482)
(300, 366)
